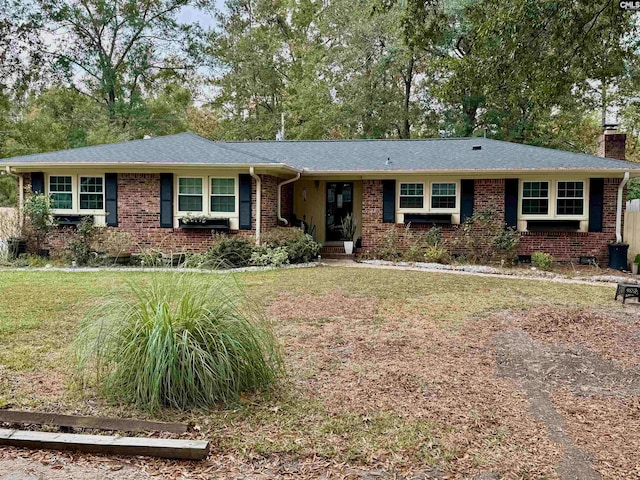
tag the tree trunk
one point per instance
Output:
(408, 81)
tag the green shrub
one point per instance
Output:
(437, 254)
(300, 247)
(434, 236)
(541, 260)
(268, 255)
(505, 244)
(303, 250)
(229, 253)
(389, 248)
(38, 218)
(80, 247)
(182, 342)
(281, 236)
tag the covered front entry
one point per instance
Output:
(339, 205)
(317, 202)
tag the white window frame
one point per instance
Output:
(411, 209)
(205, 208)
(91, 210)
(73, 196)
(583, 198)
(548, 198)
(75, 193)
(456, 195)
(206, 197)
(553, 200)
(235, 196)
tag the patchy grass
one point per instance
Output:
(388, 370)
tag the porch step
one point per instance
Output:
(335, 252)
(337, 256)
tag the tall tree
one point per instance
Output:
(115, 50)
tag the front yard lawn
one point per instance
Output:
(389, 373)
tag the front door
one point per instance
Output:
(339, 205)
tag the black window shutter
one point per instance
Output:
(245, 201)
(466, 208)
(111, 198)
(388, 201)
(166, 200)
(511, 202)
(37, 182)
(596, 203)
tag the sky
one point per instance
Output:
(190, 14)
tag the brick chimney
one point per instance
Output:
(612, 144)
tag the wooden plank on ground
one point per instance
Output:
(117, 424)
(152, 447)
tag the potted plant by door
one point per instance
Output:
(349, 227)
(634, 265)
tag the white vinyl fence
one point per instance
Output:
(631, 233)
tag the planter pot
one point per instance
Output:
(618, 256)
(634, 268)
(16, 247)
(348, 248)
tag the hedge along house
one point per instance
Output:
(171, 192)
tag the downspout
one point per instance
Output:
(279, 200)
(258, 203)
(623, 183)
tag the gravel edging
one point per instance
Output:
(504, 273)
(159, 269)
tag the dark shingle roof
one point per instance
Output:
(332, 156)
(181, 149)
(431, 154)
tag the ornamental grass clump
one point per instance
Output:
(182, 342)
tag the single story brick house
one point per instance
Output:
(563, 203)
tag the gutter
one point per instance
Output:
(623, 183)
(258, 202)
(279, 200)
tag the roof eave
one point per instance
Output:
(30, 167)
(634, 172)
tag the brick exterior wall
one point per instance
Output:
(139, 216)
(489, 195)
(612, 145)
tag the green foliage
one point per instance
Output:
(300, 247)
(270, 255)
(181, 342)
(349, 228)
(483, 239)
(229, 253)
(437, 254)
(389, 248)
(38, 217)
(8, 191)
(434, 236)
(80, 247)
(637, 259)
(633, 189)
(541, 260)
(505, 244)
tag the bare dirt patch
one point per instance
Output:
(605, 427)
(579, 369)
(613, 335)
